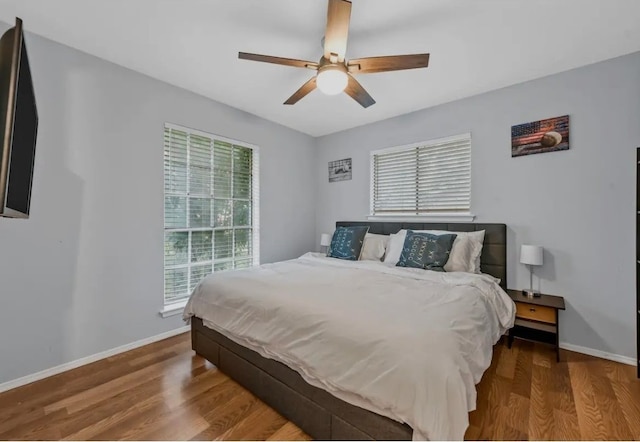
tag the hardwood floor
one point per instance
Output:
(525, 394)
(164, 392)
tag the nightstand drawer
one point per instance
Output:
(536, 312)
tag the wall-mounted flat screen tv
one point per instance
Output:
(18, 125)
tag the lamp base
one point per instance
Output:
(529, 293)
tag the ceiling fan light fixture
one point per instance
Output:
(332, 80)
(335, 72)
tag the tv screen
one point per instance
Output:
(20, 125)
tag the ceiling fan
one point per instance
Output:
(335, 73)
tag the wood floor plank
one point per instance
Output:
(252, 427)
(522, 371)
(544, 356)
(493, 417)
(164, 392)
(46, 391)
(36, 430)
(541, 422)
(589, 415)
(64, 423)
(628, 396)
(13, 421)
(145, 359)
(518, 412)
(507, 362)
(155, 410)
(619, 372)
(289, 432)
(224, 418)
(604, 395)
(472, 433)
(565, 427)
(91, 396)
(183, 424)
(119, 419)
(27, 407)
(561, 391)
(134, 408)
(510, 433)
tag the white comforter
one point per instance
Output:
(406, 343)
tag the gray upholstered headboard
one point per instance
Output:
(494, 252)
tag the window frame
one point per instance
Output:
(438, 216)
(175, 306)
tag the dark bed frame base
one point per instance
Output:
(318, 413)
(321, 415)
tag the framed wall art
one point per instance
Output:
(340, 170)
(541, 136)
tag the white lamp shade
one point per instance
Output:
(325, 239)
(531, 255)
(332, 81)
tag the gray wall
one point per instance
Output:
(85, 273)
(579, 204)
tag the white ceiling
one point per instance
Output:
(475, 46)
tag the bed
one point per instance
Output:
(335, 398)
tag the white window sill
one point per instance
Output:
(173, 309)
(435, 217)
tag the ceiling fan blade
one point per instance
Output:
(278, 60)
(357, 92)
(302, 92)
(337, 32)
(390, 63)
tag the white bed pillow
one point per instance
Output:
(374, 247)
(465, 253)
(394, 248)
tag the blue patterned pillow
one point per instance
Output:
(426, 251)
(347, 242)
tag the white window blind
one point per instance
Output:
(211, 208)
(423, 178)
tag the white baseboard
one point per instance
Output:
(89, 359)
(599, 353)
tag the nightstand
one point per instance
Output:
(537, 319)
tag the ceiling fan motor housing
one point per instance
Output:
(325, 64)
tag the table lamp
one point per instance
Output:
(325, 241)
(531, 256)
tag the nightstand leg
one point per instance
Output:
(510, 340)
(557, 338)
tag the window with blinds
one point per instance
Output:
(210, 208)
(423, 178)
